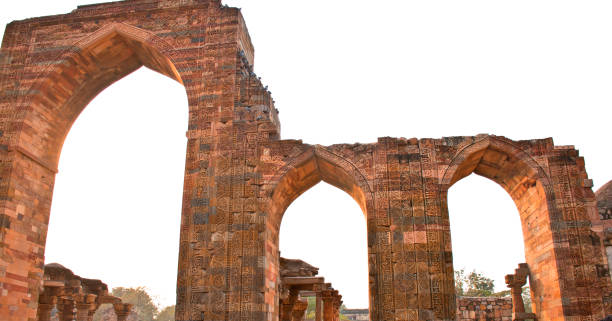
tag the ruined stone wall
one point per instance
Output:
(401, 186)
(240, 177)
(484, 309)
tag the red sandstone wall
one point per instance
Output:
(401, 186)
(484, 309)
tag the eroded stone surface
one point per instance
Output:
(240, 177)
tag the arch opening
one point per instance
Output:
(484, 231)
(55, 101)
(311, 168)
(116, 193)
(322, 227)
(81, 73)
(526, 184)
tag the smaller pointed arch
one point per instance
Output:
(529, 185)
(314, 165)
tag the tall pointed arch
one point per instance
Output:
(530, 188)
(313, 165)
(79, 74)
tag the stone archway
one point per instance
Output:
(302, 172)
(51, 67)
(529, 187)
(55, 99)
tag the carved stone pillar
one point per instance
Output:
(328, 305)
(122, 310)
(337, 305)
(45, 305)
(318, 314)
(44, 311)
(86, 308)
(516, 282)
(47, 301)
(288, 303)
(299, 310)
(67, 309)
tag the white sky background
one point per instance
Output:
(341, 72)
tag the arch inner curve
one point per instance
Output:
(309, 169)
(80, 74)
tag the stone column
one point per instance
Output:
(328, 305)
(86, 308)
(337, 304)
(47, 301)
(318, 304)
(44, 311)
(67, 309)
(45, 305)
(516, 282)
(287, 304)
(299, 310)
(122, 310)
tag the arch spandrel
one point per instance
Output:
(314, 164)
(471, 158)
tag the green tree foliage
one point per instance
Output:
(476, 284)
(310, 310)
(145, 309)
(166, 314)
(472, 284)
(144, 306)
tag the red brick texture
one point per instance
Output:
(484, 309)
(240, 177)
